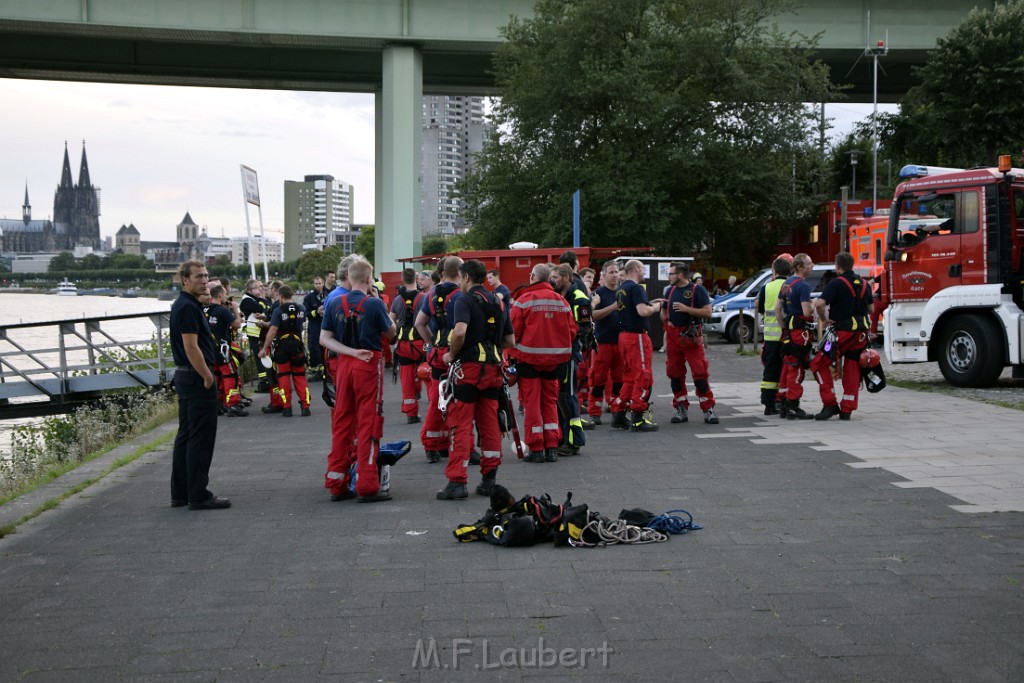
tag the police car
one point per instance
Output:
(740, 305)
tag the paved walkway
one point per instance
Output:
(859, 551)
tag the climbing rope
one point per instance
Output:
(612, 532)
(669, 523)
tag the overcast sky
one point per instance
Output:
(159, 151)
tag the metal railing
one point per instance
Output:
(63, 359)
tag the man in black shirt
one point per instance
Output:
(850, 303)
(313, 305)
(192, 346)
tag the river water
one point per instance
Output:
(37, 308)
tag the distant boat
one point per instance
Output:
(66, 288)
(98, 291)
(131, 293)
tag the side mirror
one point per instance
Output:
(890, 255)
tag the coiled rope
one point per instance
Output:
(669, 523)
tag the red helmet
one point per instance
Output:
(787, 256)
(869, 358)
(423, 372)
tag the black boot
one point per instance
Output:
(827, 412)
(797, 413)
(486, 485)
(639, 422)
(783, 409)
(453, 492)
(619, 421)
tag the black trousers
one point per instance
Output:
(315, 357)
(197, 434)
(771, 358)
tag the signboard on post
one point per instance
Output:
(250, 186)
(251, 195)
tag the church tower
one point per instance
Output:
(26, 208)
(76, 208)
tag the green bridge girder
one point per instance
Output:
(397, 49)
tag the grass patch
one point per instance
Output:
(54, 502)
(62, 443)
(969, 394)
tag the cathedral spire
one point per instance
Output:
(65, 174)
(83, 172)
(26, 208)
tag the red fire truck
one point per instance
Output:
(953, 271)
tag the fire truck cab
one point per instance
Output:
(953, 272)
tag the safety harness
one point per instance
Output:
(694, 328)
(352, 317)
(486, 351)
(438, 311)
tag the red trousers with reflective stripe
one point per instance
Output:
(285, 373)
(357, 415)
(463, 415)
(791, 382)
(227, 385)
(821, 366)
(605, 373)
(411, 383)
(540, 412)
(434, 433)
(637, 375)
(680, 351)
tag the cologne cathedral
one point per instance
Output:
(76, 217)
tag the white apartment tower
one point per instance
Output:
(317, 215)
(453, 131)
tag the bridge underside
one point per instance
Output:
(55, 51)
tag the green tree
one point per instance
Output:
(316, 263)
(63, 262)
(365, 242)
(966, 110)
(680, 121)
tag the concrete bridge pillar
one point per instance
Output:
(399, 107)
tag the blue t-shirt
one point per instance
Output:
(606, 330)
(692, 295)
(373, 319)
(628, 296)
(506, 295)
(334, 294)
(794, 292)
(430, 306)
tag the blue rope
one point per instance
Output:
(669, 523)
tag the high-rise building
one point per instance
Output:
(453, 131)
(317, 215)
(240, 250)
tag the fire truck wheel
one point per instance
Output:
(732, 330)
(971, 351)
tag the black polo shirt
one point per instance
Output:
(187, 318)
(628, 296)
(848, 298)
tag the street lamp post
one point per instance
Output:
(854, 157)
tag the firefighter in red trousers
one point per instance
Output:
(794, 309)
(353, 327)
(437, 315)
(480, 331)
(224, 324)
(688, 306)
(606, 367)
(409, 347)
(850, 304)
(635, 346)
(544, 327)
(288, 352)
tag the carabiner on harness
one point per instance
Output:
(446, 387)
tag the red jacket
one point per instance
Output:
(544, 326)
